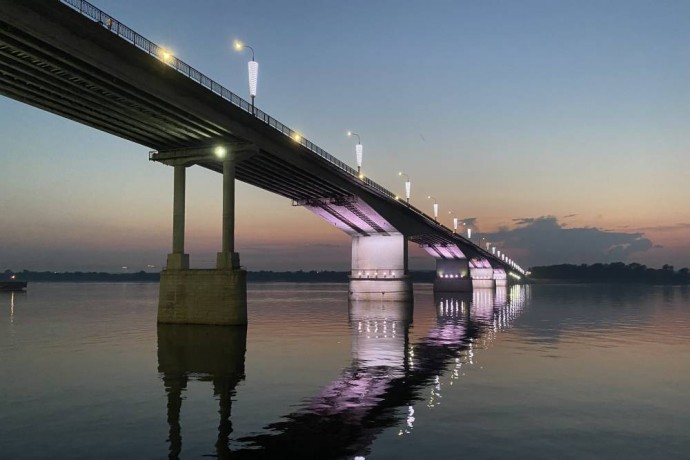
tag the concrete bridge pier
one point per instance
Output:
(203, 296)
(379, 269)
(500, 278)
(482, 277)
(452, 275)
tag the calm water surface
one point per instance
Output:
(543, 372)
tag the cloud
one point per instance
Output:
(470, 222)
(544, 241)
(664, 228)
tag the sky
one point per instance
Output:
(559, 130)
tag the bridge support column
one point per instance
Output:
(452, 275)
(379, 269)
(500, 278)
(217, 297)
(482, 278)
(178, 260)
(228, 258)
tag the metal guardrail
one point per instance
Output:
(124, 32)
(163, 55)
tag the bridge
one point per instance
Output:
(72, 59)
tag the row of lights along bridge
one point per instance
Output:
(253, 74)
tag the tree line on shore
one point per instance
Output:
(322, 276)
(596, 273)
(616, 272)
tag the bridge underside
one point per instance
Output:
(96, 71)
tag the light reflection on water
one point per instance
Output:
(575, 371)
(386, 373)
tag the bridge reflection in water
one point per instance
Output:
(207, 353)
(377, 391)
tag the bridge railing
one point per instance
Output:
(160, 53)
(95, 14)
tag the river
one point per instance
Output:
(539, 372)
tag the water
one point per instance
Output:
(562, 371)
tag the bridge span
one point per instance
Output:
(72, 59)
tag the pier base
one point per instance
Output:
(383, 290)
(452, 275)
(483, 284)
(452, 285)
(215, 297)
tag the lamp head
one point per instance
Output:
(220, 151)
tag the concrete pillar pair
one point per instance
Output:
(227, 258)
(452, 275)
(457, 275)
(379, 269)
(217, 296)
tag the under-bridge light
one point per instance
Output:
(220, 151)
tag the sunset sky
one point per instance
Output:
(561, 129)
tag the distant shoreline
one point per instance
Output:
(252, 276)
(616, 273)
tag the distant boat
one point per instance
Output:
(12, 284)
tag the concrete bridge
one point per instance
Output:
(72, 59)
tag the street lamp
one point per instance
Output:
(253, 68)
(408, 185)
(358, 151)
(455, 223)
(435, 207)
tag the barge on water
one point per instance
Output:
(12, 284)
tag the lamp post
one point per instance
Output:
(435, 207)
(253, 68)
(408, 185)
(358, 151)
(455, 222)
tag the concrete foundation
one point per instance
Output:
(452, 275)
(214, 297)
(482, 284)
(379, 269)
(453, 285)
(381, 290)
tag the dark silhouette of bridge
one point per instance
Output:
(72, 59)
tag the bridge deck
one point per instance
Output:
(72, 59)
